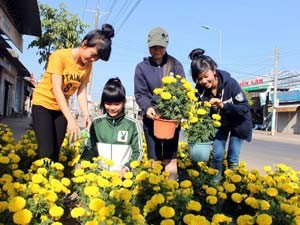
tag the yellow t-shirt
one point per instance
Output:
(60, 62)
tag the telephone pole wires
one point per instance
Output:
(98, 14)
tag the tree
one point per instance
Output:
(60, 29)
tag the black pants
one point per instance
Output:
(50, 128)
(159, 149)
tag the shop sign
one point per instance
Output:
(252, 82)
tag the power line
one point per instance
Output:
(131, 11)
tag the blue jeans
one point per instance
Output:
(218, 153)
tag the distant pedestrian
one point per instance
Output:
(227, 98)
(67, 70)
(114, 135)
(148, 75)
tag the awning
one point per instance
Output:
(256, 88)
(286, 108)
(25, 15)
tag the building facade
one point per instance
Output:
(286, 104)
(17, 18)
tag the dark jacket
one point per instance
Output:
(118, 139)
(235, 116)
(147, 77)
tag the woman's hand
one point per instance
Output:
(151, 113)
(217, 102)
(73, 130)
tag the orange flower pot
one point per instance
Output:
(164, 129)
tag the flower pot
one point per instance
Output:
(164, 129)
(200, 151)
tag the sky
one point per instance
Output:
(241, 38)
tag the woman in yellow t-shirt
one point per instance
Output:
(68, 70)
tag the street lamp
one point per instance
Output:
(219, 40)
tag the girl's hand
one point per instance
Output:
(123, 171)
(217, 102)
(73, 130)
(87, 122)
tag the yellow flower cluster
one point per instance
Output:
(44, 193)
(175, 97)
(201, 125)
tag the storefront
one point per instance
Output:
(288, 102)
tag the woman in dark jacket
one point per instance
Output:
(227, 98)
(147, 77)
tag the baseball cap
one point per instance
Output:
(158, 36)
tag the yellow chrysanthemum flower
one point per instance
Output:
(157, 91)
(235, 178)
(229, 187)
(16, 204)
(4, 160)
(272, 192)
(193, 205)
(221, 218)
(237, 197)
(135, 164)
(77, 212)
(216, 116)
(22, 217)
(166, 212)
(93, 222)
(185, 184)
(211, 191)
(166, 95)
(201, 112)
(56, 211)
(216, 123)
(91, 191)
(212, 200)
(96, 204)
(252, 202)
(264, 219)
(167, 222)
(245, 220)
(207, 104)
(3, 206)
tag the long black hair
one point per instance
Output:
(101, 39)
(200, 63)
(113, 92)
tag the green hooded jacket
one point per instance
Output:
(118, 139)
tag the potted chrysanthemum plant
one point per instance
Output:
(175, 99)
(200, 129)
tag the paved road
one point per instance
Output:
(267, 151)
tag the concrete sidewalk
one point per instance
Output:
(278, 137)
(19, 126)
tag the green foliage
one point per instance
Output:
(60, 29)
(249, 98)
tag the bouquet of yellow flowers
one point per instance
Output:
(175, 98)
(201, 125)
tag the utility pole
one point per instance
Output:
(275, 101)
(96, 24)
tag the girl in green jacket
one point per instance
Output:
(114, 135)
